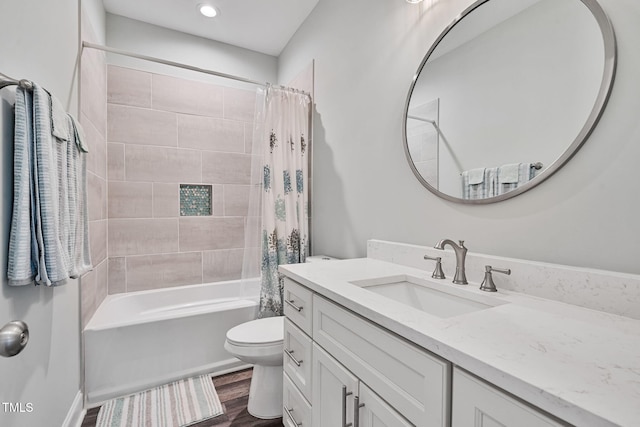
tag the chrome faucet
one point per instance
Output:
(460, 277)
(487, 284)
(437, 272)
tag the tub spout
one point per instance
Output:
(460, 277)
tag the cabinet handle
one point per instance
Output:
(290, 415)
(295, 307)
(344, 406)
(290, 354)
(356, 411)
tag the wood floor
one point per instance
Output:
(233, 390)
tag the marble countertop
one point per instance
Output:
(581, 365)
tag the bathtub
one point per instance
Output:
(143, 339)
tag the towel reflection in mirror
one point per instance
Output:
(481, 183)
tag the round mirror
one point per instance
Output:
(506, 95)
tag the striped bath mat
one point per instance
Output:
(181, 403)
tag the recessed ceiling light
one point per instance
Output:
(207, 10)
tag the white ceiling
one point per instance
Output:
(261, 25)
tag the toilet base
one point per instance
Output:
(265, 393)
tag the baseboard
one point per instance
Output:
(75, 416)
(235, 368)
(99, 397)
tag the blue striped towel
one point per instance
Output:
(48, 241)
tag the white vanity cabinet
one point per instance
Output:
(409, 363)
(335, 359)
(413, 381)
(476, 403)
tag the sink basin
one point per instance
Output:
(424, 295)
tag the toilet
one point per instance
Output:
(260, 342)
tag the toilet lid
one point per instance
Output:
(269, 330)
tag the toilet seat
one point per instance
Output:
(265, 332)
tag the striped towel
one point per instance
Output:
(513, 175)
(48, 241)
(181, 403)
(474, 188)
(23, 254)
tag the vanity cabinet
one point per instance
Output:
(335, 359)
(413, 381)
(476, 403)
(488, 365)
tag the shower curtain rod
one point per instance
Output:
(185, 66)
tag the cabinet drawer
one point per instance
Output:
(410, 379)
(298, 304)
(296, 410)
(297, 357)
(476, 403)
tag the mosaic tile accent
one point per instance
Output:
(195, 200)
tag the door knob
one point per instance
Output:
(14, 336)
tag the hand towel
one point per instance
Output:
(59, 120)
(509, 174)
(490, 182)
(506, 182)
(484, 189)
(476, 176)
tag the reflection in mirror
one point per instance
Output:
(506, 95)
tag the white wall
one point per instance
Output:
(585, 215)
(38, 41)
(139, 37)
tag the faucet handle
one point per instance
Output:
(487, 284)
(437, 272)
(461, 243)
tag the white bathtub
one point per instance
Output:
(142, 339)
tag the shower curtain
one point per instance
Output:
(278, 221)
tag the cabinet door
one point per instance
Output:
(334, 389)
(375, 412)
(476, 403)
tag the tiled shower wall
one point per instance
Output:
(162, 132)
(93, 118)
